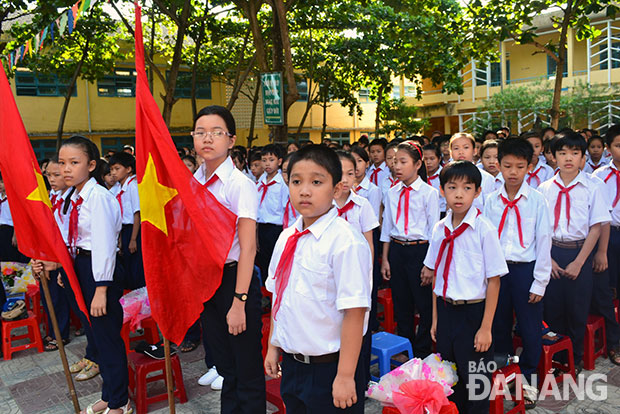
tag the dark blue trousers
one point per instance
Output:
(91, 349)
(405, 266)
(106, 332)
(267, 237)
(613, 258)
(238, 358)
(567, 302)
(513, 296)
(456, 329)
(132, 262)
(60, 304)
(376, 279)
(8, 252)
(194, 334)
(602, 304)
(307, 388)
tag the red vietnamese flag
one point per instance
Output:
(186, 232)
(38, 236)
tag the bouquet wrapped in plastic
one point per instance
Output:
(16, 277)
(136, 307)
(418, 386)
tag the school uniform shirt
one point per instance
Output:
(271, 209)
(129, 198)
(433, 181)
(234, 191)
(62, 219)
(361, 216)
(499, 182)
(541, 173)
(5, 212)
(422, 215)
(477, 256)
(386, 184)
(384, 171)
(289, 213)
(587, 207)
(591, 166)
(487, 187)
(535, 227)
(370, 192)
(331, 272)
(611, 184)
(99, 223)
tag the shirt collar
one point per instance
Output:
(321, 224)
(470, 218)
(277, 178)
(127, 181)
(524, 190)
(581, 178)
(612, 165)
(437, 172)
(365, 184)
(86, 190)
(223, 171)
(66, 193)
(381, 166)
(415, 185)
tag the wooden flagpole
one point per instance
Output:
(169, 380)
(61, 347)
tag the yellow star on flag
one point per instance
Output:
(153, 197)
(40, 192)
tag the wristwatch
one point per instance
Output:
(241, 296)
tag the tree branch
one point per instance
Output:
(167, 12)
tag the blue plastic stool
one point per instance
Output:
(384, 346)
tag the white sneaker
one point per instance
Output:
(218, 383)
(209, 377)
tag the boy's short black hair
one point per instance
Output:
(255, 156)
(611, 134)
(125, 159)
(363, 140)
(532, 134)
(378, 141)
(272, 149)
(518, 147)
(457, 170)
(320, 155)
(434, 148)
(571, 140)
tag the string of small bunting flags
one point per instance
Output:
(65, 22)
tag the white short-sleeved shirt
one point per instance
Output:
(331, 272)
(499, 182)
(289, 213)
(433, 181)
(541, 171)
(271, 209)
(62, 219)
(99, 223)
(370, 192)
(587, 207)
(536, 229)
(387, 183)
(487, 186)
(590, 166)
(234, 191)
(609, 179)
(477, 256)
(423, 212)
(130, 200)
(361, 216)
(5, 212)
(384, 171)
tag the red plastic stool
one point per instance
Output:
(266, 319)
(590, 351)
(517, 343)
(546, 362)
(384, 297)
(33, 335)
(511, 373)
(140, 366)
(273, 395)
(150, 335)
(33, 304)
(390, 410)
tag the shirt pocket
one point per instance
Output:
(312, 281)
(528, 230)
(468, 264)
(579, 211)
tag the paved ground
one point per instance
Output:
(33, 383)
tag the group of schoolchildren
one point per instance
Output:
(466, 233)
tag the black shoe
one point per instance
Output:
(578, 368)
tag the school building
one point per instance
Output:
(105, 110)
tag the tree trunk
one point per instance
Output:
(378, 110)
(169, 99)
(201, 34)
(240, 78)
(254, 106)
(559, 70)
(152, 48)
(65, 107)
(279, 132)
(293, 95)
(324, 105)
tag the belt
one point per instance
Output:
(512, 262)
(408, 242)
(616, 228)
(231, 264)
(575, 244)
(82, 252)
(462, 302)
(321, 359)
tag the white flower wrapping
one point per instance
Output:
(431, 368)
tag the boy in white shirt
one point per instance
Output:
(378, 170)
(578, 210)
(539, 171)
(320, 276)
(521, 215)
(463, 148)
(465, 262)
